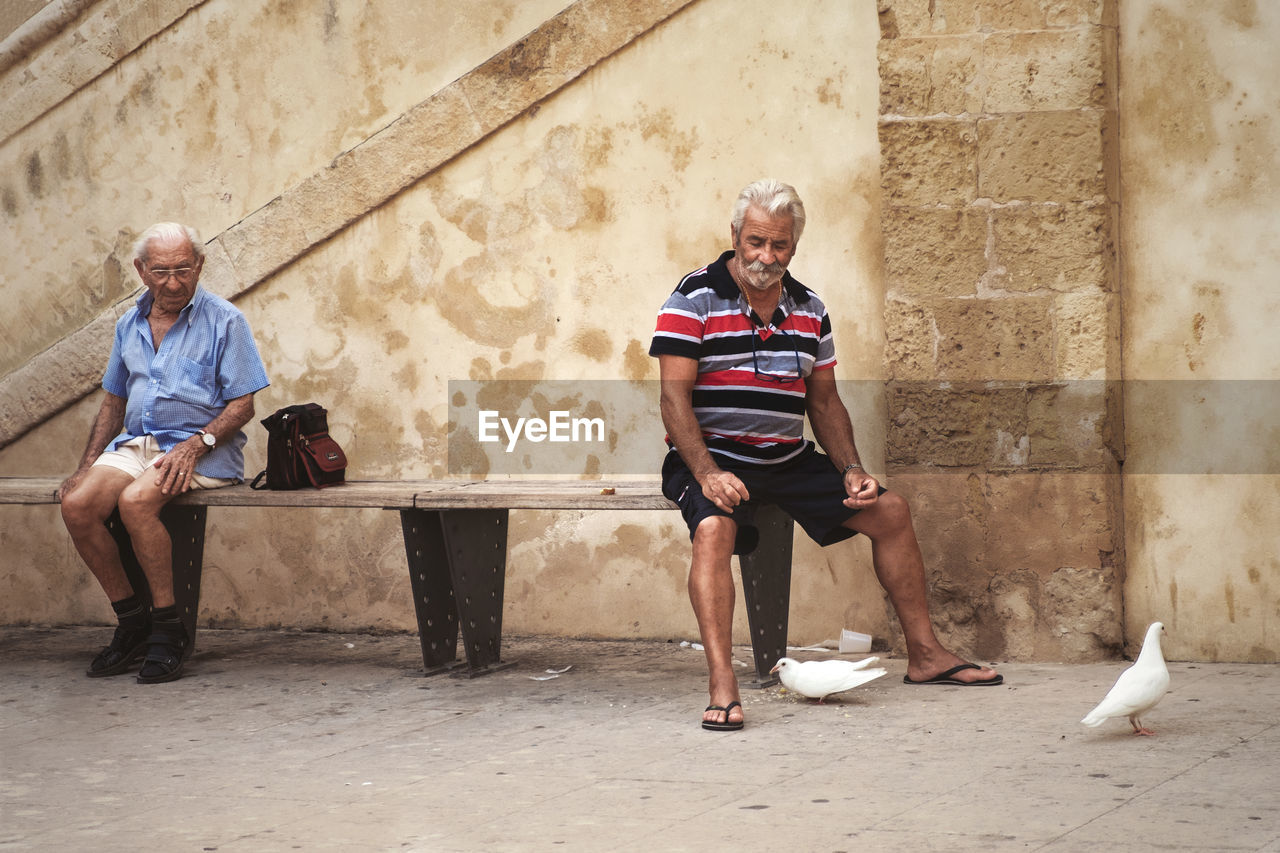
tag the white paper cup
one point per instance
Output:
(852, 641)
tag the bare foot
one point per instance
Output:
(724, 692)
(930, 666)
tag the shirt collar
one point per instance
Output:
(726, 288)
(145, 301)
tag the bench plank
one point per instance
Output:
(547, 494)
(375, 494)
(397, 494)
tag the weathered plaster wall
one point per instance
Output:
(1002, 316)
(210, 138)
(1200, 136)
(543, 252)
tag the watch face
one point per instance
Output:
(208, 439)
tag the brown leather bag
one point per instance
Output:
(300, 451)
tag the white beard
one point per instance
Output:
(759, 276)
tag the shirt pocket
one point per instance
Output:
(194, 382)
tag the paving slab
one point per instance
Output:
(284, 740)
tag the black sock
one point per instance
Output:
(165, 614)
(131, 612)
(165, 620)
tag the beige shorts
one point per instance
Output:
(136, 455)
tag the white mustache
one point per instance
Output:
(774, 268)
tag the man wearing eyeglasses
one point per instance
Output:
(745, 352)
(178, 387)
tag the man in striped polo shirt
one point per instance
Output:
(745, 352)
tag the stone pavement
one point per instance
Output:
(281, 741)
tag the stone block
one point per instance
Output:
(1061, 247)
(950, 514)
(929, 162)
(907, 18)
(1046, 70)
(928, 76)
(1013, 625)
(956, 425)
(269, 238)
(1045, 521)
(934, 252)
(1066, 424)
(558, 51)
(1086, 329)
(1006, 339)
(911, 341)
(1084, 612)
(997, 15)
(1020, 566)
(1110, 68)
(1052, 156)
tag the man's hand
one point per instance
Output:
(70, 484)
(724, 489)
(176, 468)
(863, 489)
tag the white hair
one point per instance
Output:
(167, 232)
(775, 199)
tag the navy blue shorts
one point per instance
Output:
(807, 488)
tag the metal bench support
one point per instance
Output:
(472, 544)
(186, 526)
(766, 586)
(433, 599)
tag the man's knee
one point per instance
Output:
(895, 508)
(715, 530)
(888, 516)
(78, 510)
(86, 505)
(138, 504)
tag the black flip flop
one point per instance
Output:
(727, 725)
(946, 678)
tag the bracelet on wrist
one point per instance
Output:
(851, 466)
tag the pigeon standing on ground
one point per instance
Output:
(1138, 688)
(818, 679)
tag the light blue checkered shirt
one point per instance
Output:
(206, 359)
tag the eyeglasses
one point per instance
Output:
(182, 274)
(774, 377)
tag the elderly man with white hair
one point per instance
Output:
(745, 353)
(179, 386)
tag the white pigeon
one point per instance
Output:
(818, 679)
(1138, 688)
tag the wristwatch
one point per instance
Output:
(209, 439)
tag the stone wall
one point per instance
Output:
(997, 124)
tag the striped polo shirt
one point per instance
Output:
(750, 390)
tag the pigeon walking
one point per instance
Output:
(1138, 688)
(818, 679)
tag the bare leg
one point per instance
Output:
(84, 512)
(899, 566)
(712, 593)
(140, 505)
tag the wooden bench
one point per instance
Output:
(455, 539)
